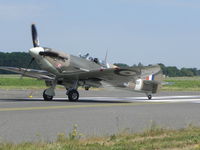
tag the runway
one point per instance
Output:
(98, 113)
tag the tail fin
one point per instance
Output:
(152, 73)
(152, 76)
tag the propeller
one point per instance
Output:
(35, 38)
(35, 44)
(27, 68)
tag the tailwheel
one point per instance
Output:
(73, 95)
(47, 97)
(149, 96)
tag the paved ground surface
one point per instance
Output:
(98, 112)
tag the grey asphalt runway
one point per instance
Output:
(98, 113)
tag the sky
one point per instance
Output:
(133, 31)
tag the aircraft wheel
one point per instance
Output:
(73, 95)
(149, 97)
(47, 97)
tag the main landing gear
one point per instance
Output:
(73, 95)
(47, 97)
(72, 92)
(49, 93)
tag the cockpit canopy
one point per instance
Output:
(96, 60)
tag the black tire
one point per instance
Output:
(73, 95)
(47, 97)
(149, 97)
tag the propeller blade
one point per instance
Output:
(27, 67)
(35, 36)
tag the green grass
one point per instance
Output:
(182, 84)
(179, 83)
(14, 82)
(154, 138)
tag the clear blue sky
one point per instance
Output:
(147, 31)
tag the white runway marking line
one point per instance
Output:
(167, 99)
(170, 99)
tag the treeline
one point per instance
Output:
(16, 59)
(171, 71)
(22, 59)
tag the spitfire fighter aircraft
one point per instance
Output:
(58, 68)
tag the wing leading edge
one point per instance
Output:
(33, 73)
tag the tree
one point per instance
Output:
(16, 59)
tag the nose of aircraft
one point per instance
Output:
(34, 52)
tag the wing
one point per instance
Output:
(33, 73)
(113, 76)
(117, 77)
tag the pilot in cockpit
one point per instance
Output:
(96, 60)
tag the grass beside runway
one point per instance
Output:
(15, 82)
(176, 83)
(182, 84)
(151, 139)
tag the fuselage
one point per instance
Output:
(61, 62)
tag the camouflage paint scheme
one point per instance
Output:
(73, 71)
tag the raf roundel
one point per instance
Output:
(125, 72)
